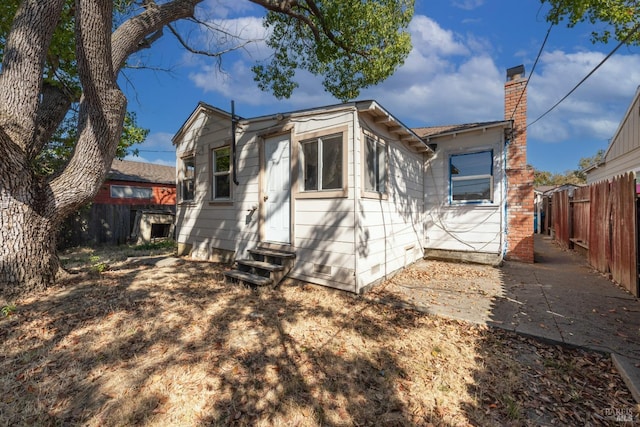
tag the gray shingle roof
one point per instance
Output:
(425, 132)
(125, 170)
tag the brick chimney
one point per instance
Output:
(519, 175)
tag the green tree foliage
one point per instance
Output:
(353, 44)
(59, 149)
(622, 17)
(549, 178)
(60, 71)
(59, 93)
(576, 176)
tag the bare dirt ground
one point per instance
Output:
(130, 343)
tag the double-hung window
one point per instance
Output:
(187, 179)
(322, 163)
(471, 177)
(375, 152)
(221, 178)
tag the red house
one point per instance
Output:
(137, 183)
(130, 190)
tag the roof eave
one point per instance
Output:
(202, 107)
(394, 126)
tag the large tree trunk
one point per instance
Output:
(28, 260)
(31, 207)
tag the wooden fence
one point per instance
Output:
(101, 224)
(602, 219)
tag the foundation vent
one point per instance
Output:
(375, 269)
(322, 269)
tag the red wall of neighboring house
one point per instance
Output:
(163, 194)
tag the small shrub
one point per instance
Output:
(97, 265)
(8, 310)
(162, 244)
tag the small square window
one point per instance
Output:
(471, 177)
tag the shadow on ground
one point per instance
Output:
(175, 345)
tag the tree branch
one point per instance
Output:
(25, 53)
(188, 47)
(127, 37)
(101, 116)
(287, 8)
(52, 110)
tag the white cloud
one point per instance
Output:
(442, 82)
(430, 39)
(159, 141)
(234, 83)
(469, 92)
(224, 8)
(595, 109)
(453, 78)
(468, 4)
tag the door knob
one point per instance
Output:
(265, 198)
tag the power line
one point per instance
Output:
(626, 39)
(544, 42)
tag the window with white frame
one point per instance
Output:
(187, 178)
(322, 163)
(129, 192)
(471, 177)
(221, 170)
(375, 152)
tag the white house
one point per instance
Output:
(345, 195)
(341, 186)
(623, 153)
(465, 180)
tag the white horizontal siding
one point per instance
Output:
(470, 227)
(627, 138)
(630, 162)
(623, 154)
(390, 229)
(208, 225)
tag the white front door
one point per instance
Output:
(277, 191)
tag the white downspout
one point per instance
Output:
(503, 211)
(356, 214)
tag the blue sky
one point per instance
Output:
(455, 74)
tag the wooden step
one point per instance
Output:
(272, 253)
(267, 266)
(254, 279)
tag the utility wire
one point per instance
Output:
(626, 39)
(544, 42)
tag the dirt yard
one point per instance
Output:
(128, 342)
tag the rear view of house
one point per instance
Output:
(479, 189)
(346, 195)
(340, 187)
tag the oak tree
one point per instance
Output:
(621, 16)
(59, 52)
